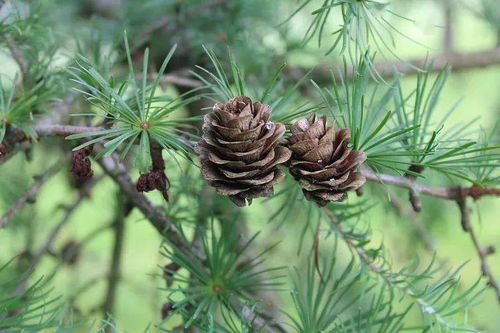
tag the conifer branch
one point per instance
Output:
(30, 194)
(162, 224)
(383, 273)
(448, 193)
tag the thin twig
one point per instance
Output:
(30, 194)
(154, 214)
(427, 240)
(447, 193)
(380, 271)
(482, 252)
(69, 211)
(161, 223)
(459, 62)
(18, 56)
(166, 20)
(114, 276)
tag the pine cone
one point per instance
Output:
(322, 161)
(239, 150)
(81, 165)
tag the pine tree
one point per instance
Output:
(259, 174)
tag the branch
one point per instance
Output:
(122, 210)
(387, 68)
(30, 194)
(63, 130)
(180, 80)
(18, 57)
(384, 274)
(154, 214)
(166, 20)
(402, 210)
(483, 252)
(69, 211)
(448, 193)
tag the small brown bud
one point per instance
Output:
(166, 309)
(154, 180)
(3, 149)
(169, 271)
(81, 165)
(70, 252)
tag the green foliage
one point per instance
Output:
(225, 84)
(17, 108)
(134, 110)
(361, 107)
(26, 306)
(341, 300)
(220, 282)
(221, 277)
(364, 26)
(436, 145)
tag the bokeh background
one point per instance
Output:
(475, 26)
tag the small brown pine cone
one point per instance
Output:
(154, 180)
(322, 161)
(3, 150)
(70, 252)
(81, 165)
(239, 151)
(166, 309)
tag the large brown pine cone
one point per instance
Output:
(322, 161)
(239, 150)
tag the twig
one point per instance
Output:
(157, 218)
(63, 130)
(155, 215)
(414, 196)
(448, 34)
(122, 210)
(388, 277)
(483, 252)
(448, 193)
(69, 211)
(18, 57)
(387, 69)
(427, 240)
(261, 322)
(30, 194)
(166, 20)
(180, 81)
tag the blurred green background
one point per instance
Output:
(139, 298)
